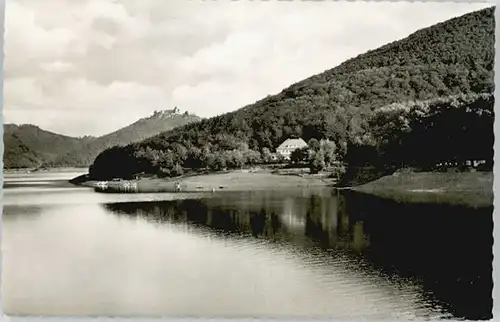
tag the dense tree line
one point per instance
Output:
(423, 134)
(318, 155)
(445, 60)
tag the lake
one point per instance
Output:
(297, 254)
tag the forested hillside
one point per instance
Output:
(140, 130)
(445, 60)
(28, 146)
(423, 134)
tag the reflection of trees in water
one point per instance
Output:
(317, 219)
(330, 225)
(257, 220)
(11, 212)
(448, 248)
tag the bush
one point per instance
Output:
(338, 172)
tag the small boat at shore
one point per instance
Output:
(102, 184)
(116, 187)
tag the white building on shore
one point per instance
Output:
(288, 146)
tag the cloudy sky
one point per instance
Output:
(81, 67)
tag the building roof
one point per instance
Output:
(292, 143)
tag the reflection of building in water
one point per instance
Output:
(343, 217)
(290, 221)
(322, 220)
(351, 230)
(331, 219)
(321, 224)
(328, 223)
(290, 216)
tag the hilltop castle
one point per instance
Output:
(167, 113)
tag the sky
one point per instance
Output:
(89, 67)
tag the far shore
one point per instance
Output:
(45, 170)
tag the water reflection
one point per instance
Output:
(301, 253)
(446, 250)
(11, 212)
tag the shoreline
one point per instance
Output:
(44, 170)
(472, 189)
(238, 180)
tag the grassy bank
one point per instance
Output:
(242, 180)
(473, 189)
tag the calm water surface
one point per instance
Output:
(304, 253)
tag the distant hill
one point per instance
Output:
(28, 146)
(451, 58)
(146, 127)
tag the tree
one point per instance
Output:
(300, 155)
(216, 161)
(177, 170)
(252, 157)
(266, 155)
(234, 159)
(317, 162)
(167, 161)
(329, 149)
(314, 145)
(194, 158)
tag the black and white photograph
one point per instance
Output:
(248, 159)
